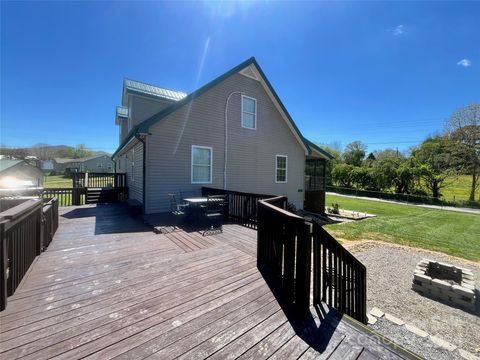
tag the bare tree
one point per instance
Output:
(42, 151)
(463, 130)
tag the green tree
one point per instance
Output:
(342, 174)
(433, 164)
(354, 153)
(463, 131)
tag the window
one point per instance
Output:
(99, 165)
(201, 164)
(281, 169)
(249, 112)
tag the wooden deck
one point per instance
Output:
(108, 287)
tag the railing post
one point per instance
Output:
(3, 267)
(304, 266)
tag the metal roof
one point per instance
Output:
(122, 111)
(6, 163)
(148, 89)
(78, 160)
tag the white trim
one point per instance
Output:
(255, 113)
(211, 164)
(276, 169)
(244, 72)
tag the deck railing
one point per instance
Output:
(339, 279)
(50, 221)
(66, 196)
(23, 229)
(242, 206)
(99, 180)
(284, 246)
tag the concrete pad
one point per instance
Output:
(394, 319)
(416, 330)
(467, 355)
(442, 343)
(377, 312)
(371, 319)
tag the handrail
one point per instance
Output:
(284, 247)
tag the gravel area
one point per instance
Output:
(421, 346)
(390, 270)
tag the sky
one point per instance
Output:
(386, 73)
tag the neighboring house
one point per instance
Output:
(99, 163)
(233, 133)
(47, 165)
(16, 174)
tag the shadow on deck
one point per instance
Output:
(109, 287)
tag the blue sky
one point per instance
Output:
(388, 74)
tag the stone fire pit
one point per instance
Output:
(447, 283)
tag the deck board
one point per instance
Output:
(109, 287)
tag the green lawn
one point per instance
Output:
(459, 189)
(454, 233)
(57, 181)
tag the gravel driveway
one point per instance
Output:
(390, 271)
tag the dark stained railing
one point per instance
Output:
(22, 237)
(242, 207)
(339, 279)
(99, 180)
(50, 221)
(284, 246)
(66, 196)
(285, 243)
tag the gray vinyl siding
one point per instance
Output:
(92, 165)
(142, 108)
(131, 163)
(251, 153)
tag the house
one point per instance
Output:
(233, 133)
(98, 163)
(17, 174)
(47, 165)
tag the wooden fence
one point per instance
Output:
(66, 196)
(286, 246)
(22, 237)
(339, 279)
(99, 180)
(242, 207)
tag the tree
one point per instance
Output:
(42, 151)
(342, 174)
(354, 153)
(433, 164)
(463, 132)
(337, 158)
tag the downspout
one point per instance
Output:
(142, 138)
(226, 139)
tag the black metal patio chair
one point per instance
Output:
(215, 213)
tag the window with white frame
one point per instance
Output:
(281, 168)
(201, 164)
(249, 112)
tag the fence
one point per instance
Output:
(241, 206)
(25, 230)
(50, 221)
(66, 196)
(410, 198)
(339, 279)
(99, 180)
(284, 246)
(284, 243)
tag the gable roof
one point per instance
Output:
(144, 127)
(318, 149)
(138, 87)
(6, 164)
(78, 160)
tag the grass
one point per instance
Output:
(450, 232)
(458, 188)
(57, 181)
